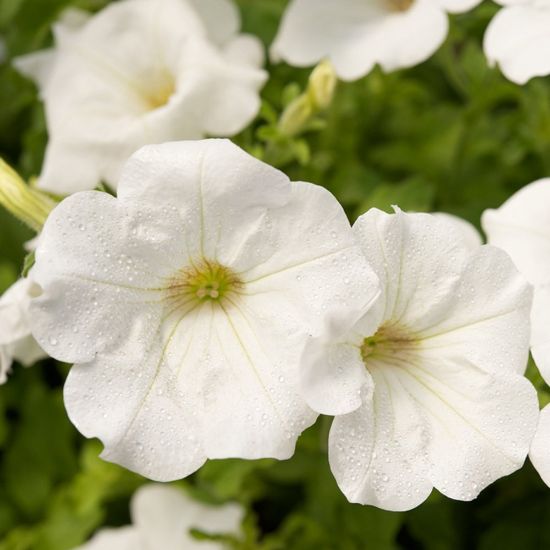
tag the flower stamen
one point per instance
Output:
(203, 281)
(388, 341)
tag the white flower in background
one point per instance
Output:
(358, 34)
(162, 518)
(187, 301)
(427, 386)
(518, 39)
(521, 226)
(16, 341)
(141, 72)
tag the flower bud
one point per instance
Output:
(29, 205)
(322, 84)
(296, 115)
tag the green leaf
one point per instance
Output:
(414, 195)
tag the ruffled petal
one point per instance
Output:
(377, 452)
(221, 18)
(164, 516)
(123, 538)
(540, 330)
(417, 272)
(96, 261)
(470, 235)
(540, 448)
(356, 35)
(518, 39)
(521, 227)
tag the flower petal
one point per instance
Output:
(250, 370)
(481, 423)
(212, 185)
(458, 6)
(417, 272)
(518, 39)
(376, 453)
(356, 35)
(122, 538)
(221, 18)
(540, 332)
(164, 515)
(26, 351)
(247, 50)
(540, 448)
(470, 235)
(5, 363)
(130, 400)
(97, 260)
(320, 264)
(487, 321)
(521, 227)
(14, 316)
(16, 341)
(334, 377)
(452, 426)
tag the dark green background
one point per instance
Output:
(450, 135)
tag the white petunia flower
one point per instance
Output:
(521, 226)
(162, 519)
(427, 387)
(187, 301)
(358, 34)
(518, 39)
(141, 72)
(16, 341)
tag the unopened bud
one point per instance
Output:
(29, 205)
(296, 115)
(322, 84)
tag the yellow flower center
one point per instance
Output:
(398, 5)
(206, 281)
(159, 92)
(388, 341)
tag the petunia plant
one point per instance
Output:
(298, 365)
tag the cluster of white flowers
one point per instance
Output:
(218, 319)
(214, 309)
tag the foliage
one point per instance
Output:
(449, 135)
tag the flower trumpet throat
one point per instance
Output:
(29, 205)
(388, 341)
(160, 91)
(399, 5)
(206, 281)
